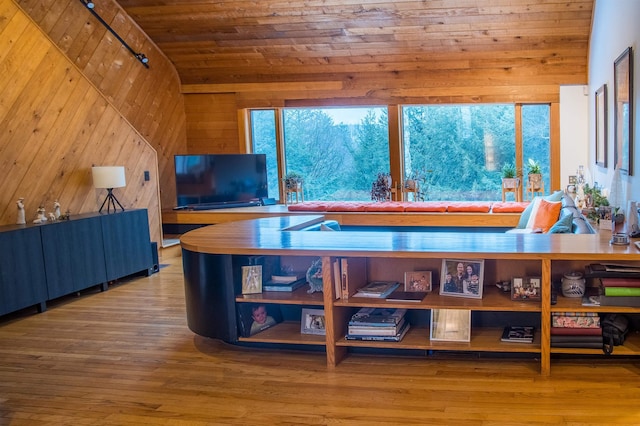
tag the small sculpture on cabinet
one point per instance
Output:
(40, 217)
(56, 210)
(21, 217)
(314, 276)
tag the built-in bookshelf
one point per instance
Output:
(386, 256)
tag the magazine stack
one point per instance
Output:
(382, 324)
(619, 284)
(576, 330)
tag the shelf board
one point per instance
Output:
(287, 332)
(492, 300)
(631, 346)
(482, 340)
(574, 304)
(296, 297)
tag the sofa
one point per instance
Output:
(569, 219)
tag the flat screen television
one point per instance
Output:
(218, 180)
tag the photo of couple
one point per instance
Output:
(462, 278)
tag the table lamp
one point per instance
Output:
(109, 177)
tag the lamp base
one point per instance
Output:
(110, 201)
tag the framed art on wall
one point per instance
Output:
(601, 126)
(623, 112)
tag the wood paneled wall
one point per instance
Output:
(212, 124)
(71, 96)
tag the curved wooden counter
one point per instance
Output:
(212, 255)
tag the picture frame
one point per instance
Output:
(526, 289)
(312, 321)
(601, 126)
(450, 325)
(573, 180)
(623, 112)
(252, 279)
(256, 317)
(418, 281)
(462, 278)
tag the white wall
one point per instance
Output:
(615, 27)
(574, 133)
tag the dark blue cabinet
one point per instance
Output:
(127, 244)
(73, 255)
(22, 272)
(50, 260)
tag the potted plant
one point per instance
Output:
(509, 176)
(534, 174)
(292, 181)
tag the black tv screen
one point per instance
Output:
(211, 179)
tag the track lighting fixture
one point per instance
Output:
(139, 56)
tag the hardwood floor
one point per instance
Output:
(126, 357)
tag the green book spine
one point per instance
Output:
(622, 291)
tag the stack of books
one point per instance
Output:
(377, 289)
(285, 282)
(619, 284)
(378, 324)
(620, 291)
(576, 330)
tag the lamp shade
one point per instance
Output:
(108, 177)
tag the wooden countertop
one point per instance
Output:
(267, 236)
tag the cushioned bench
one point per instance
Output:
(421, 206)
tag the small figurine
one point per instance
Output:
(21, 218)
(56, 210)
(52, 217)
(314, 276)
(41, 217)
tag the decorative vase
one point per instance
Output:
(573, 285)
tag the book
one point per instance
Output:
(381, 316)
(353, 273)
(276, 286)
(406, 296)
(575, 321)
(622, 291)
(518, 334)
(377, 289)
(576, 331)
(396, 338)
(620, 282)
(619, 300)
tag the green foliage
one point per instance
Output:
(597, 199)
(508, 171)
(454, 151)
(533, 167)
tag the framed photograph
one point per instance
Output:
(451, 325)
(252, 279)
(623, 111)
(526, 288)
(417, 281)
(601, 126)
(256, 317)
(462, 278)
(312, 321)
(573, 179)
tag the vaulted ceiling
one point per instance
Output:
(261, 41)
